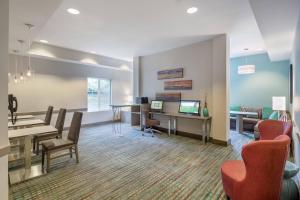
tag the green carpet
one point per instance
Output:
(134, 167)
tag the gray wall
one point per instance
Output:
(295, 60)
(4, 19)
(205, 63)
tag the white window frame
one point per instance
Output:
(99, 106)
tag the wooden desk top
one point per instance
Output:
(26, 123)
(182, 115)
(22, 117)
(30, 131)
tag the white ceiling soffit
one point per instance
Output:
(277, 21)
(124, 29)
(36, 12)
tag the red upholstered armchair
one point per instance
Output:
(259, 175)
(270, 129)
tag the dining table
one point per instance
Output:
(22, 117)
(25, 123)
(239, 119)
(24, 135)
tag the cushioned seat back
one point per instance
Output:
(48, 115)
(264, 162)
(60, 120)
(270, 129)
(75, 127)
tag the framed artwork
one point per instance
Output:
(169, 97)
(178, 85)
(169, 74)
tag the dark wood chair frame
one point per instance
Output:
(71, 142)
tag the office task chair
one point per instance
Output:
(149, 123)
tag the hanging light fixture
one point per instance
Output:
(246, 68)
(21, 66)
(29, 72)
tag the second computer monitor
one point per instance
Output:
(189, 107)
(157, 105)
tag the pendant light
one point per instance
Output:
(29, 72)
(21, 64)
(246, 68)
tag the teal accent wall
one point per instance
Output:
(256, 90)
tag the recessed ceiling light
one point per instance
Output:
(192, 10)
(73, 11)
(44, 41)
(94, 52)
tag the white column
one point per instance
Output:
(220, 88)
(4, 19)
(136, 77)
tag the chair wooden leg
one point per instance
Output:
(76, 152)
(33, 144)
(37, 147)
(43, 158)
(71, 153)
(48, 161)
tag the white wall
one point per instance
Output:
(220, 90)
(205, 63)
(64, 85)
(295, 60)
(4, 19)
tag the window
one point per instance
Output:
(99, 94)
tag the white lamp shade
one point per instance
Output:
(278, 103)
(246, 69)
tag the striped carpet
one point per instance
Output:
(134, 167)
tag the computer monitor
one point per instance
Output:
(189, 107)
(157, 105)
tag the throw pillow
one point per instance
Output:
(274, 115)
(267, 111)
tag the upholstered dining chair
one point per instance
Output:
(46, 136)
(270, 129)
(59, 144)
(259, 175)
(149, 123)
(48, 115)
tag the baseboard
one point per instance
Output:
(196, 136)
(220, 142)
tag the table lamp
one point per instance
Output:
(279, 104)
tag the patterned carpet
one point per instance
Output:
(134, 167)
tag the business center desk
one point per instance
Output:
(205, 131)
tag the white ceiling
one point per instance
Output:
(277, 21)
(35, 12)
(123, 29)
